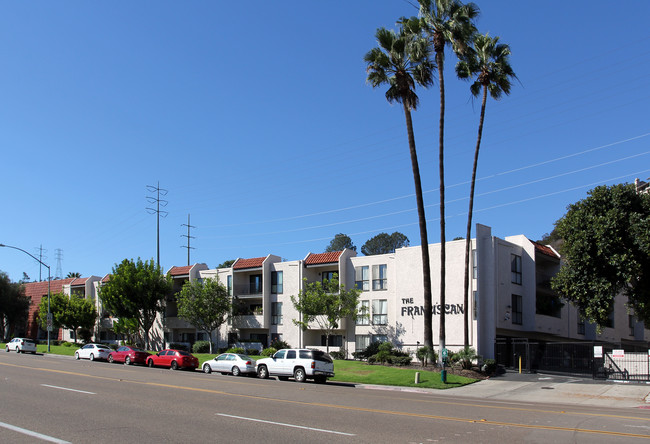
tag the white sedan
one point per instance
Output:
(230, 363)
(19, 345)
(92, 352)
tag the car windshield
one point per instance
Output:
(321, 356)
(245, 357)
(183, 353)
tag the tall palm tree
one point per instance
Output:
(401, 61)
(489, 64)
(448, 23)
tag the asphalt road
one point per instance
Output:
(65, 400)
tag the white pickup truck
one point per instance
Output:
(300, 363)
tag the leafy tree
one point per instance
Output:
(488, 62)
(129, 328)
(384, 243)
(606, 252)
(73, 274)
(325, 303)
(58, 305)
(14, 306)
(339, 243)
(71, 312)
(205, 305)
(401, 61)
(226, 264)
(136, 290)
(447, 23)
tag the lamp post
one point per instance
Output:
(49, 278)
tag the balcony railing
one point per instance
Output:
(248, 290)
(248, 321)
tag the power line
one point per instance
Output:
(188, 238)
(158, 201)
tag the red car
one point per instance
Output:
(129, 355)
(173, 359)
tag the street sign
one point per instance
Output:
(445, 353)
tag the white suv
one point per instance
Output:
(21, 345)
(302, 364)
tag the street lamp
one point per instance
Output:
(49, 278)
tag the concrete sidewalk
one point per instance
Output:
(543, 388)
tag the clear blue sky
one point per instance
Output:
(257, 119)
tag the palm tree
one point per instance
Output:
(447, 22)
(489, 64)
(73, 274)
(401, 61)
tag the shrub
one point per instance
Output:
(67, 344)
(400, 360)
(338, 354)
(466, 357)
(425, 355)
(268, 351)
(382, 356)
(489, 366)
(251, 351)
(201, 347)
(279, 344)
(237, 350)
(370, 350)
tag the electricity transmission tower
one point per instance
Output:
(188, 238)
(59, 259)
(159, 202)
(41, 257)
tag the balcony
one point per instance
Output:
(175, 322)
(247, 290)
(249, 321)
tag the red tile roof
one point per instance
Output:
(254, 262)
(106, 278)
(545, 249)
(322, 258)
(180, 271)
(79, 281)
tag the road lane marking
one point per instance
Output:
(33, 434)
(286, 425)
(363, 409)
(69, 389)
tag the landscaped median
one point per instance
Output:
(358, 372)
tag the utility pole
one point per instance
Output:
(188, 238)
(158, 201)
(59, 259)
(41, 257)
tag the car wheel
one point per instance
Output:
(174, 365)
(262, 372)
(206, 368)
(150, 363)
(236, 371)
(7, 349)
(320, 379)
(299, 374)
(17, 350)
(91, 357)
(76, 355)
(110, 359)
(127, 361)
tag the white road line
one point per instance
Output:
(287, 425)
(34, 434)
(69, 389)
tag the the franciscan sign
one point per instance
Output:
(418, 310)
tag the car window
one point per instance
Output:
(291, 354)
(305, 354)
(231, 357)
(280, 354)
(183, 353)
(86, 347)
(321, 356)
(221, 357)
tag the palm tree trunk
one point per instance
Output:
(441, 168)
(424, 242)
(469, 216)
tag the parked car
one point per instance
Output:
(92, 352)
(128, 355)
(302, 364)
(21, 345)
(173, 359)
(233, 363)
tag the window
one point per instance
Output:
(379, 278)
(276, 282)
(229, 283)
(474, 265)
(255, 281)
(361, 278)
(361, 342)
(363, 317)
(276, 313)
(291, 354)
(379, 338)
(517, 314)
(328, 275)
(335, 340)
(276, 337)
(515, 268)
(280, 354)
(379, 312)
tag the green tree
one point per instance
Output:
(401, 61)
(73, 274)
(58, 305)
(447, 23)
(136, 290)
(339, 243)
(325, 303)
(489, 64)
(606, 252)
(14, 306)
(384, 243)
(129, 328)
(205, 305)
(78, 313)
(226, 264)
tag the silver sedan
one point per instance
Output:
(230, 363)
(92, 352)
